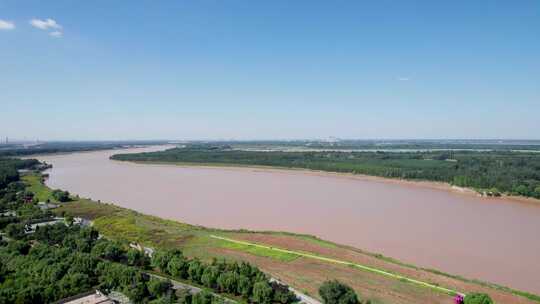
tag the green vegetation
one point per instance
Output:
(334, 292)
(61, 196)
(259, 251)
(65, 261)
(477, 298)
(493, 172)
(236, 279)
(58, 260)
(9, 167)
(34, 185)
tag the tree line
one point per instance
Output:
(238, 279)
(492, 172)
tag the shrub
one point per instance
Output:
(477, 298)
(61, 196)
(178, 267)
(209, 277)
(202, 297)
(158, 288)
(262, 293)
(537, 191)
(244, 286)
(334, 292)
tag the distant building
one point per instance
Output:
(91, 297)
(147, 250)
(8, 213)
(46, 206)
(81, 222)
(31, 228)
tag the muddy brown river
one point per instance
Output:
(495, 240)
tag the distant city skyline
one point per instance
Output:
(244, 70)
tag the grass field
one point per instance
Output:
(286, 256)
(42, 192)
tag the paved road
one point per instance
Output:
(192, 289)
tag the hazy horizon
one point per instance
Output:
(189, 70)
(322, 139)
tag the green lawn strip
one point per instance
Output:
(259, 251)
(330, 260)
(34, 184)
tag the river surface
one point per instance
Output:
(489, 239)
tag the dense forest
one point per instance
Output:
(9, 169)
(492, 172)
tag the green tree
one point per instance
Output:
(137, 258)
(202, 297)
(228, 282)
(16, 230)
(161, 258)
(136, 291)
(282, 294)
(109, 250)
(209, 276)
(244, 286)
(218, 300)
(3, 272)
(262, 293)
(19, 247)
(73, 283)
(52, 235)
(195, 270)
(537, 191)
(61, 196)
(522, 190)
(334, 292)
(159, 288)
(477, 298)
(178, 267)
(184, 296)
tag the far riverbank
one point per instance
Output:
(362, 177)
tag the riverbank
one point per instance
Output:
(303, 273)
(489, 172)
(355, 176)
(430, 228)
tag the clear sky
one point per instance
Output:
(253, 69)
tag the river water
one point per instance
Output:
(495, 240)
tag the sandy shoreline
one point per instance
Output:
(442, 186)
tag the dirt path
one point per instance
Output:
(330, 260)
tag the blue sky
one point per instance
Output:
(269, 69)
